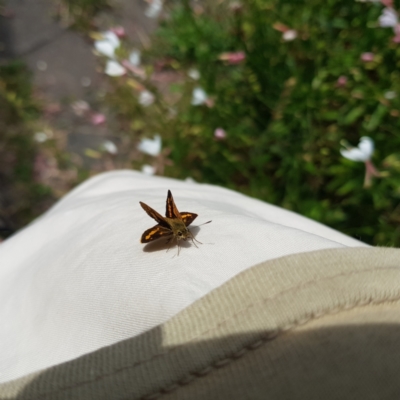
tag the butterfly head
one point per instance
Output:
(183, 233)
(179, 229)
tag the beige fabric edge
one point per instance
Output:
(253, 308)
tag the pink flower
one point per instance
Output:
(280, 27)
(146, 98)
(107, 45)
(80, 107)
(233, 57)
(110, 147)
(367, 57)
(97, 119)
(396, 37)
(152, 147)
(289, 35)
(154, 9)
(387, 3)
(119, 31)
(136, 70)
(342, 81)
(199, 96)
(363, 153)
(370, 171)
(148, 169)
(220, 134)
(114, 68)
(388, 18)
(134, 57)
(40, 137)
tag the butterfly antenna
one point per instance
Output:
(205, 223)
(194, 239)
(168, 241)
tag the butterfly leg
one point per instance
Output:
(169, 241)
(194, 240)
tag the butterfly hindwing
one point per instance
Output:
(154, 233)
(188, 217)
(173, 225)
(171, 211)
(154, 214)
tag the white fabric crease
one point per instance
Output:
(78, 278)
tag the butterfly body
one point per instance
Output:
(172, 226)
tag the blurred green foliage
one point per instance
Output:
(282, 108)
(21, 198)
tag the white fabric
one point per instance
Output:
(78, 278)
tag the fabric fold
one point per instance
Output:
(319, 316)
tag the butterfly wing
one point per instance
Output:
(154, 214)
(171, 210)
(188, 217)
(156, 232)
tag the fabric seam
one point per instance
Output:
(218, 325)
(252, 347)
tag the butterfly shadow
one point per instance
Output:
(161, 244)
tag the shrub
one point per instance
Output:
(304, 88)
(21, 198)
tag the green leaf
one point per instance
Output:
(348, 187)
(353, 115)
(376, 117)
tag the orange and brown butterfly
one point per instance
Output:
(172, 226)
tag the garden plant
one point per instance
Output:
(295, 103)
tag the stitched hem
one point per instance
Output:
(195, 375)
(224, 321)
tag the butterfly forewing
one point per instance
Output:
(188, 217)
(173, 225)
(171, 211)
(154, 214)
(154, 233)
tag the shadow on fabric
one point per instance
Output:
(341, 362)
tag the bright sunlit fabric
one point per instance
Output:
(79, 279)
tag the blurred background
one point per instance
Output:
(293, 102)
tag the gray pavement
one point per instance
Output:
(63, 64)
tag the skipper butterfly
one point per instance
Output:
(173, 226)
